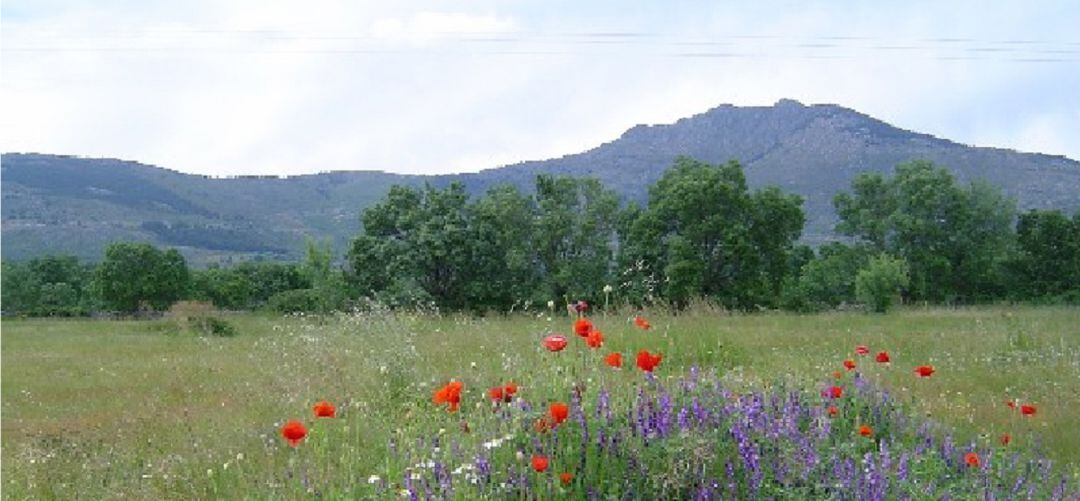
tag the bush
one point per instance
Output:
(880, 281)
(201, 318)
(296, 301)
(212, 326)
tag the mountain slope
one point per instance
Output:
(75, 205)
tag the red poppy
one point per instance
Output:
(559, 412)
(555, 342)
(1005, 439)
(595, 339)
(833, 410)
(924, 370)
(866, 431)
(836, 392)
(566, 478)
(642, 323)
(540, 463)
(583, 327)
(324, 409)
(849, 364)
(1027, 410)
(971, 459)
(882, 357)
(647, 361)
(503, 393)
(581, 306)
(837, 374)
(1011, 404)
(449, 394)
(614, 360)
(294, 432)
(862, 350)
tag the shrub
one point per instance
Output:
(880, 281)
(296, 301)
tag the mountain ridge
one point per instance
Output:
(56, 203)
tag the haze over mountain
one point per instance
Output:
(60, 204)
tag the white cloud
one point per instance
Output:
(274, 87)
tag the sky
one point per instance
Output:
(260, 87)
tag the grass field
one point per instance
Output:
(109, 409)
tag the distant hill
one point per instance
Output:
(76, 205)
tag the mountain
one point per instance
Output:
(77, 205)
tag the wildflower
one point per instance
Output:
(971, 459)
(849, 364)
(836, 392)
(1027, 410)
(324, 409)
(647, 361)
(594, 339)
(642, 323)
(882, 357)
(924, 370)
(837, 374)
(1005, 439)
(449, 394)
(294, 431)
(1011, 404)
(566, 477)
(866, 430)
(614, 360)
(581, 306)
(608, 289)
(559, 412)
(862, 350)
(583, 327)
(551, 305)
(503, 393)
(542, 425)
(555, 342)
(540, 463)
(833, 411)
(373, 479)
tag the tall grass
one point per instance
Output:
(109, 409)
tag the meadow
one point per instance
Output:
(102, 409)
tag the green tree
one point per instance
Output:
(880, 282)
(415, 246)
(504, 262)
(711, 237)
(1048, 259)
(828, 280)
(134, 275)
(47, 286)
(574, 232)
(954, 239)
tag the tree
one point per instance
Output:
(504, 263)
(880, 281)
(415, 246)
(1048, 258)
(574, 233)
(828, 280)
(711, 237)
(134, 275)
(47, 286)
(954, 239)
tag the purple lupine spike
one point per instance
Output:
(902, 467)
(684, 420)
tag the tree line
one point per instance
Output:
(915, 236)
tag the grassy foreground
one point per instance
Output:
(108, 409)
